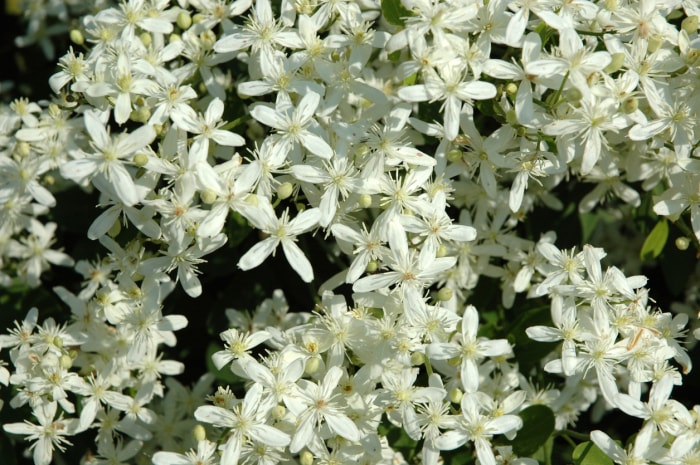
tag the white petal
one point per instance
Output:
(298, 260)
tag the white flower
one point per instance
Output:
(282, 231)
(49, 433)
(317, 403)
(105, 167)
(245, 421)
(206, 127)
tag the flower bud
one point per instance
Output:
(690, 24)
(312, 365)
(199, 433)
(682, 243)
(371, 266)
(306, 458)
(441, 251)
(455, 395)
(174, 38)
(511, 88)
(454, 361)
(611, 5)
(512, 117)
(365, 201)
(22, 149)
(198, 18)
(66, 362)
(146, 39)
(184, 20)
(417, 359)
(454, 155)
(445, 294)
(140, 115)
(655, 42)
(115, 229)
(618, 59)
(58, 342)
(49, 180)
(630, 105)
(572, 94)
(278, 412)
(140, 160)
(76, 36)
(208, 196)
(285, 190)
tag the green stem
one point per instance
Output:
(428, 366)
(557, 95)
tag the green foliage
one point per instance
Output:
(588, 453)
(655, 241)
(538, 425)
(394, 12)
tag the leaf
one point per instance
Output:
(394, 12)
(589, 221)
(538, 425)
(530, 352)
(588, 453)
(655, 241)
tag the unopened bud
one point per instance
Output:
(682, 243)
(371, 266)
(312, 365)
(454, 155)
(140, 160)
(572, 94)
(306, 458)
(174, 38)
(611, 5)
(618, 59)
(184, 20)
(198, 18)
(115, 229)
(456, 395)
(417, 359)
(512, 117)
(655, 42)
(285, 190)
(23, 148)
(445, 294)
(146, 39)
(511, 88)
(441, 251)
(49, 180)
(76, 36)
(199, 433)
(140, 115)
(690, 24)
(58, 342)
(630, 105)
(208, 196)
(66, 362)
(365, 201)
(278, 412)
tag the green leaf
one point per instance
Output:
(394, 12)
(655, 241)
(538, 425)
(589, 221)
(588, 453)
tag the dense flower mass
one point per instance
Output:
(430, 154)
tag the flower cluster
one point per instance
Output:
(409, 144)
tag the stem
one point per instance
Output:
(557, 95)
(570, 433)
(428, 366)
